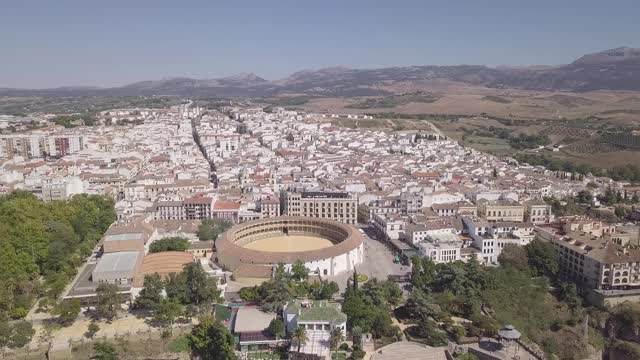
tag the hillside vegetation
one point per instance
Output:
(42, 244)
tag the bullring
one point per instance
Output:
(326, 247)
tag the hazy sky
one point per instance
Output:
(51, 43)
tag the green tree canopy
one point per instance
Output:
(210, 229)
(169, 244)
(109, 300)
(151, 294)
(543, 259)
(200, 288)
(299, 337)
(20, 334)
(104, 350)
(168, 311)
(211, 340)
(299, 271)
(514, 255)
(276, 328)
(45, 240)
(67, 311)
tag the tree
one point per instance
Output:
(543, 259)
(175, 287)
(109, 300)
(428, 330)
(299, 336)
(584, 197)
(169, 244)
(104, 350)
(168, 311)
(5, 333)
(420, 305)
(92, 330)
(423, 272)
(620, 212)
(210, 229)
(151, 294)
(568, 293)
(357, 353)
(276, 328)
(211, 340)
(67, 311)
(515, 256)
(366, 308)
(386, 293)
(609, 197)
(199, 287)
(43, 241)
(299, 272)
(335, 338)
(22, 333)
(323, 290)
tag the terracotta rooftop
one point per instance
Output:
(226, 205)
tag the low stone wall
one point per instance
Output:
(483, 355)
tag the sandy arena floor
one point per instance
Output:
(289, 243)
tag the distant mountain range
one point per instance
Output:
(615, 69)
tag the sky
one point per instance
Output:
(49, 43)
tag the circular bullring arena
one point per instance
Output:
(252, 249)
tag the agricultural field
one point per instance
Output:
(394, 101)
(623, 140)
(590, 147)
(491, 145)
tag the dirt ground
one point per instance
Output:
(289, 244)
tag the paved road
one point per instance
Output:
(378, 263)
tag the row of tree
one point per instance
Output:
(191, 287)
(285, 286)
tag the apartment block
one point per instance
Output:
(501, 210)
(339, 206)
(538, 212)
(37, 146)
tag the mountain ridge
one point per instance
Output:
(613, 69)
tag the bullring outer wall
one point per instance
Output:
(346, 253)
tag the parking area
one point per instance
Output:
(378, 262)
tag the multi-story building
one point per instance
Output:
(226, 210)
(610, 270)
(391, 225)
(36, 146)
(269, 208)
(61, 189)
(538, 212)
(169, 210)
(417, 232)
(198, 208)
(441, 247)
(457, 208)
(339, 206)
(501, 210)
